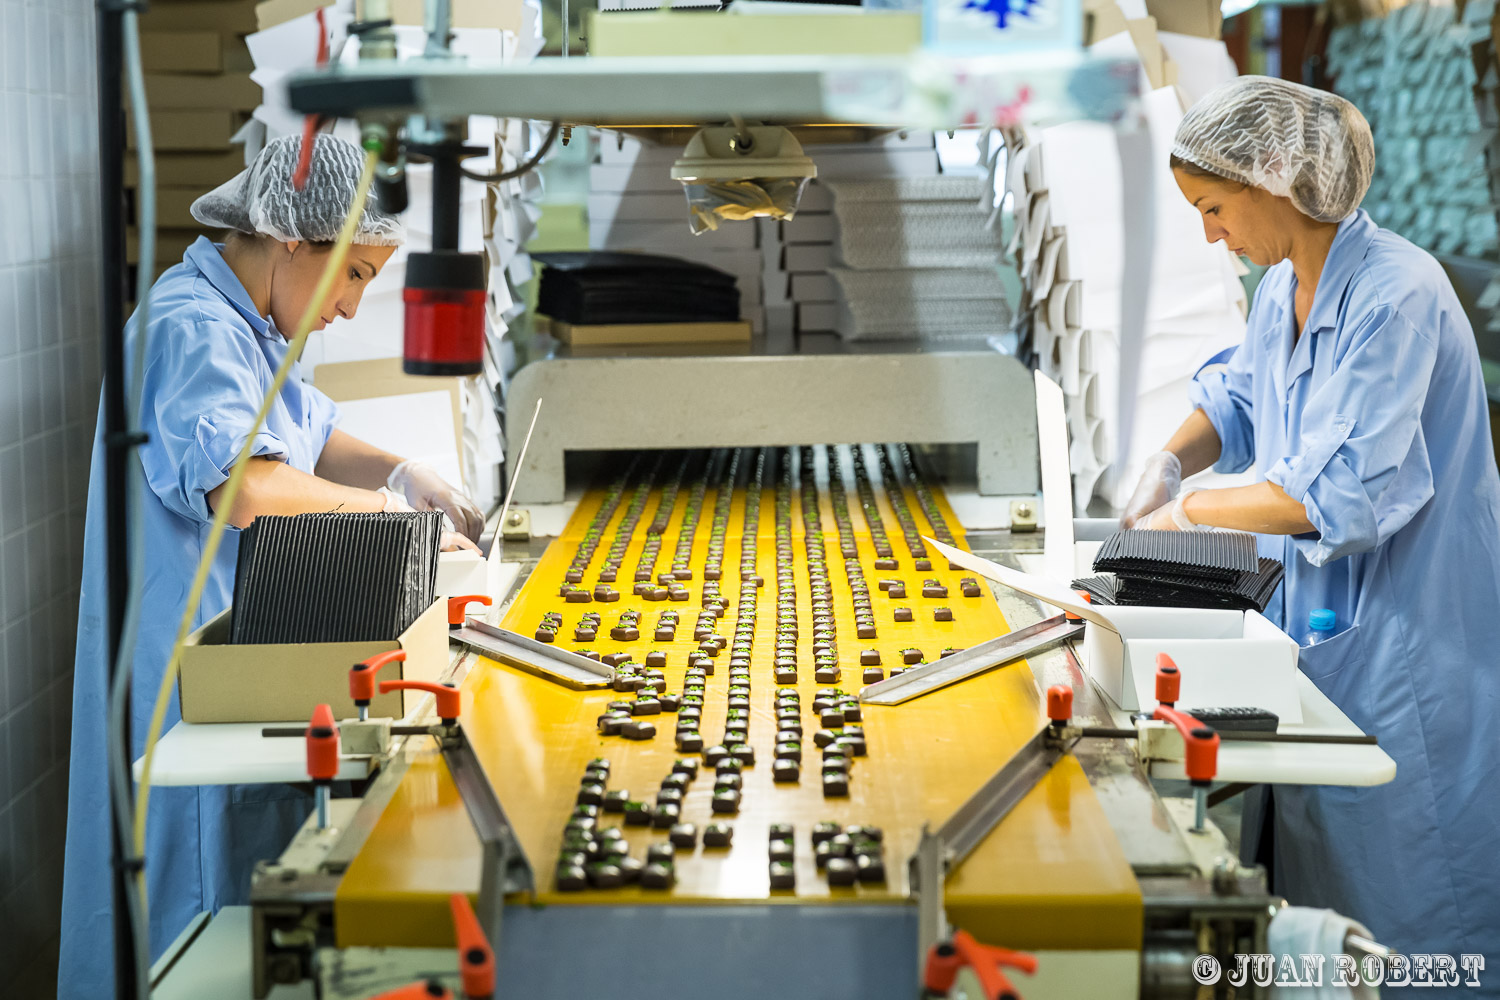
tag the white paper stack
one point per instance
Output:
(498, 219)
(1413, 75)
(1071, 244)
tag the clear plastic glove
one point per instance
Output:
(452, 541)
(424, 489)
(394, 503)
(1171, 516)
(1160, 482)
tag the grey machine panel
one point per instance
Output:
(980, 396)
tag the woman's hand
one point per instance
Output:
(1171, 517)
(424, 489)
(1158, 486)
(454, 542)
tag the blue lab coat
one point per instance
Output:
(1376, 420)
(210, 358)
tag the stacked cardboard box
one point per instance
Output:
(1079, 240)
(199, 92)
(1415, 74)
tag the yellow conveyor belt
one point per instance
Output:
(1051, 876)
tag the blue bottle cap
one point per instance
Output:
(1321, 620)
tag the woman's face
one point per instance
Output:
(298, 266)
(1250, 221)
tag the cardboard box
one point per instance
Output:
(639, 33)
(231, 91)
(182, 51)
(502, 14)
(229, 19)
(200, 171)
(219, 682)
(187, 130)
(1227, 658)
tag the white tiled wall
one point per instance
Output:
(49, 289)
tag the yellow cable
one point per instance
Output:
(231, 491)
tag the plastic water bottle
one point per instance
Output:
(1320, 624)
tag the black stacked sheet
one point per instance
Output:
(1182, 569)
(606, 287)
(334, 577)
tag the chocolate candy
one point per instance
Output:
(637, 814)
(616, 800)
(723, 781)
(841, 871)
(942, 614)
(687, 766)
(835, 785)
(826, 675)
(911, 655)
(718, 835)
(610, 722)
(783, 875)
(869, 868)
(645, 706)
(901, 614)
(932, 588)
(714, 754)
(683, 835)
(825, 831)
(784, 769)
(571, 878)
(665, 816)
(873, 675)
(729, 765)
(669, 796)
(727, 801)
(676, 779)
(657, 876)
(886, 563)
(869, 658)
(670, 702)
(689, 742)
(638, 730)
(780, 850)
(824, 737)
(603, 875)
(630, 868)
(744, 753)
(922, 565)
(830, 718)
(590, 795)
(789, 751)
(896, 592)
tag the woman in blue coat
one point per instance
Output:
(1357, 399)
(217, 334)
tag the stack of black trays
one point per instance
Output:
(1182, 569)
(601, 287)
(334, 577)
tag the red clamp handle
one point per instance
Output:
(362, 675)
(1168, 680)
(459, 606)
(448, 698)
(1084, 596)
(1059, 704)
(1201, 742)
(476, 959)
(429, 990)
(945, 959)
(322, 745)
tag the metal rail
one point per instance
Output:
(548, 662)
(966, 663)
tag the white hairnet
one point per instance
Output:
(260, 198)
(1293, 141)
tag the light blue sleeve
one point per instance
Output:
(205, 379)
(1363, 471)
(1225, 395)
(324, 414)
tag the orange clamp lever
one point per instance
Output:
(322, 745)
(1059, 704)
(459, 606)
(1084, 596)
(476, 959)
(945, 959)
(429, 990)
(1168, 680)
(1202, 744)
(448, 698)
(362, 675)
